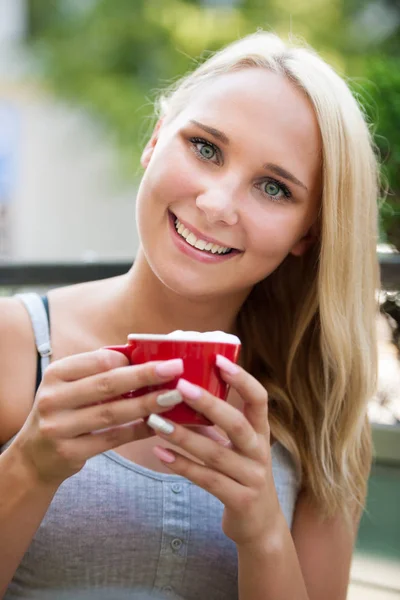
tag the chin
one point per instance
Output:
(189, 284)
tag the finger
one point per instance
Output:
(85, 364)
(225, 416)
(74, 423)
(252, 392)
(217, 484)
(113, 384)
(214, 455)
(212, 433)
(92, 444)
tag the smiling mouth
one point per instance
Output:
(198, 243)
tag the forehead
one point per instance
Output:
(261, 107)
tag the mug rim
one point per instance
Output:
(159, 337)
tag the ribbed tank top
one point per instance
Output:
(118, 530)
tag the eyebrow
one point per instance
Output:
(280, 171)
(212, 131)
(277, 169)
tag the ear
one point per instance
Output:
(306, 241)
(151, 144)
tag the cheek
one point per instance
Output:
(274, 234)
(163, 186)
(172, 178)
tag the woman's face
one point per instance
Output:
(236, 173)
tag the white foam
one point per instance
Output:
(210, 336)
(189, 336)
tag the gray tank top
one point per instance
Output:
(117, 530)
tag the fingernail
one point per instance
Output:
(169, 398)
(163, 454)
(159, 424)
(226, 365)
(189, 390)
(170, 367)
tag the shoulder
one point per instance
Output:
(324, 547)
(17, 366)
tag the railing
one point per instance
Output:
(390, 271)
(17, 274)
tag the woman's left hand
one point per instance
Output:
(237, 471)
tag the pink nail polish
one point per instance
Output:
(192, 392)
(170, 368)
(226, 365)
(163, 454)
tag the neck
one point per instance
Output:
(148, 306)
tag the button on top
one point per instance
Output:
(176, 544)
(177, 488)
(167, 589)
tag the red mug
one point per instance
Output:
(198, 354)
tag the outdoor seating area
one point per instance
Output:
(223, 177)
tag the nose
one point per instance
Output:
(218, 206)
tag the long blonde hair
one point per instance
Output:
(308, 329)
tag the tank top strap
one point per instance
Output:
(38, 309)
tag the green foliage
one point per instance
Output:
(384, 73)
(111, 56)
(380, 97)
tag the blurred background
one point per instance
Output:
(77, 83)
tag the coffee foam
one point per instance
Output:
(209, 336)
(190, 336)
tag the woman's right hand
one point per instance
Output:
(72, 421)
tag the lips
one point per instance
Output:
(198, 254)
(198, 240)
(199, 243)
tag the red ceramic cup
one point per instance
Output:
(198, 352)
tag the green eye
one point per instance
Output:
(206, 151)
(275, 190)
(272, 189)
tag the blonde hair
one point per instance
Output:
(308, 329)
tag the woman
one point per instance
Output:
(257, 215)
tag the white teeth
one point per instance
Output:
(191, 239)
(198, 243)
